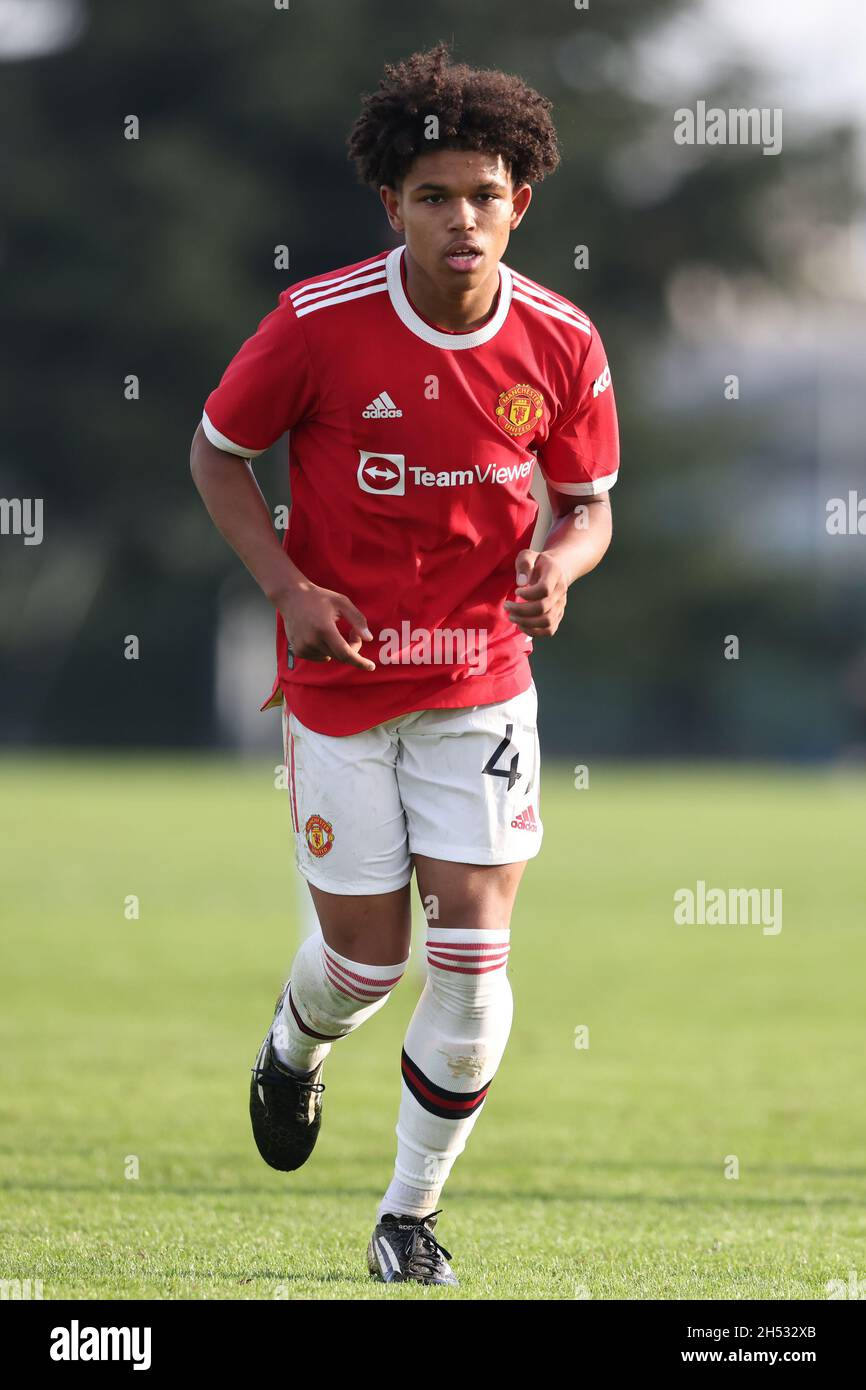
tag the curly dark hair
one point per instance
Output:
(477, 109)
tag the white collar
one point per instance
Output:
(434, 336)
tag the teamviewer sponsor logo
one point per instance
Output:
(464, 477)
(387, 473)
(382, 473)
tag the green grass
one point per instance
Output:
(594, 1172)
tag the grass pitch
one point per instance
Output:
(594, 1172)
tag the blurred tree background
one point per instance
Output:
(155, 257)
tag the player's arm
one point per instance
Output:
(580, 463)
(581, 532)
(269, 387)
(237, 507)
(576, 542)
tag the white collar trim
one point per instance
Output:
(434, 336)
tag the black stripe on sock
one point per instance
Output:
(430, 1096)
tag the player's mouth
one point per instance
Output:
(464, 255)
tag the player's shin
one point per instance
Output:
(328, 997)
(454, 1044)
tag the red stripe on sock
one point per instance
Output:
(468, 969)
(468, 960)
(466, 945)
(456, 1105)
(346, 989)
(362, 979)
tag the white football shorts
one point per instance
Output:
(456, 784)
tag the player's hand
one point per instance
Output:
(311, 615)
(542, 594)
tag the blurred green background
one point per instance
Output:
(155, 258)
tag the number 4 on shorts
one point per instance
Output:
(511, 773)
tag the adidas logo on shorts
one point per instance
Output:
(382, 408)
(525, 820)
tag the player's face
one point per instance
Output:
(457, 209)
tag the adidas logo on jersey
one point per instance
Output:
(525, 821)
(382, 408)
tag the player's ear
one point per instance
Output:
(520, 200)
(391, 200)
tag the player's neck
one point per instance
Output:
(457, 312)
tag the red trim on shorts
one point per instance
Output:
(286, 763)
(294, 798)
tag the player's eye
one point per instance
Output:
(437, 197)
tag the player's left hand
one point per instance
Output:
(542, 594)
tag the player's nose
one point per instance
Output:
(463, 215)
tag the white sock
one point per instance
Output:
(453, 1046)
(329, 997)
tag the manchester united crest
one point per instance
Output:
(519, 409)
(319, 835)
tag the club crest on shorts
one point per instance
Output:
(319, 834)
(519, 408)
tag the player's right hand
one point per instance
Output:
(311, 614)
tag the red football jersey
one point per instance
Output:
(411, 452)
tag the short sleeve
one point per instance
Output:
(580, 456)
(265, 389)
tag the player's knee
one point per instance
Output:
(466, 969)
(369, 987)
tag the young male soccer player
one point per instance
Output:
(421, 386)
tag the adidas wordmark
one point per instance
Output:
(382, 408)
